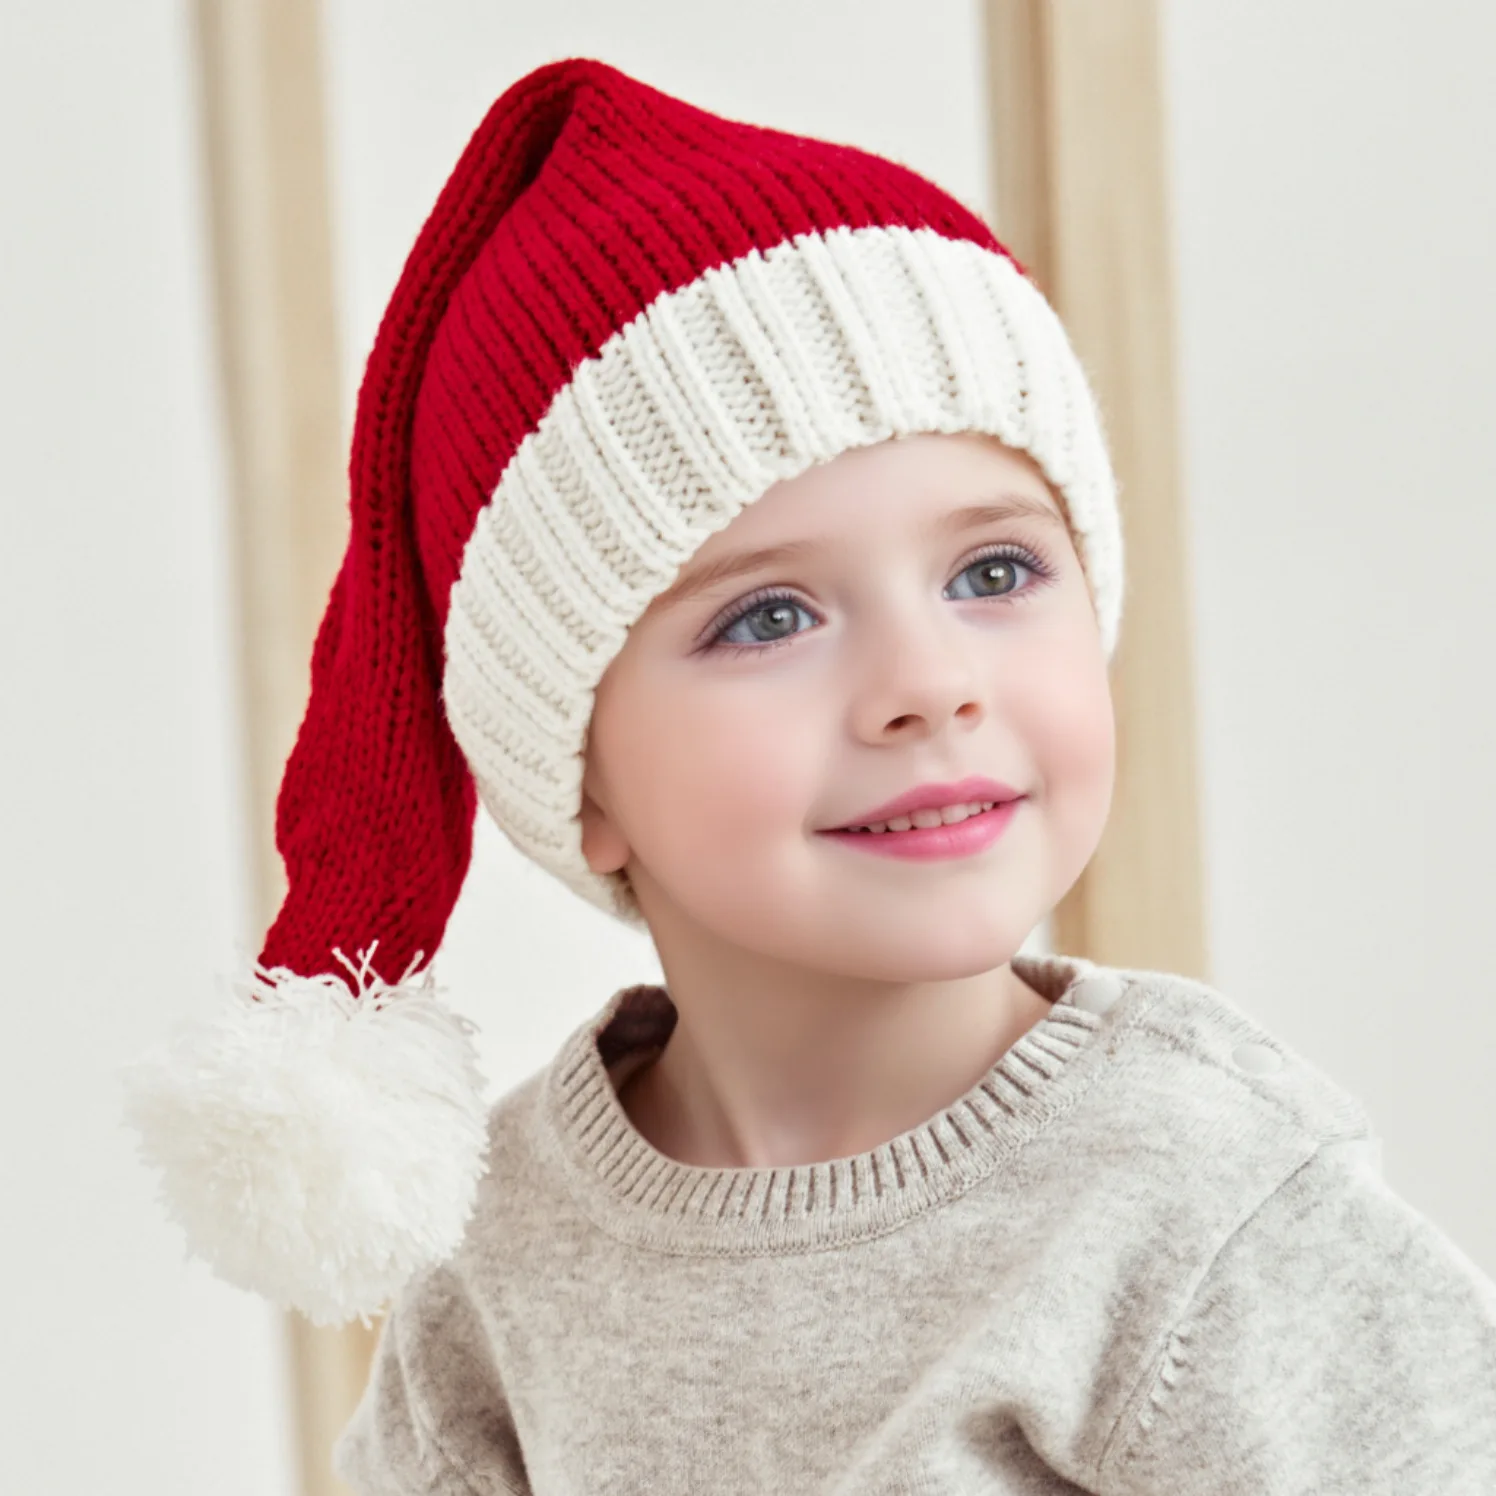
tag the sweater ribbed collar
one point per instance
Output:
(637, 1194)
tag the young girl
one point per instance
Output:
(731, 516)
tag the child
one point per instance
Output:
(712, 488)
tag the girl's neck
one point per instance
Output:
(703, 1100)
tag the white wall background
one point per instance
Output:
(1337, 324)
(124, 1369)
(1336, 234)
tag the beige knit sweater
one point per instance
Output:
(1150, 1252)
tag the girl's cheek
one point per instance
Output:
(748, 770)
(1084, 749)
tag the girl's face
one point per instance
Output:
(896, 645)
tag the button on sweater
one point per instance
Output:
(1150, 1251)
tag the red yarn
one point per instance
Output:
(582, 197)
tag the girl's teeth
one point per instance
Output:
(925, 819)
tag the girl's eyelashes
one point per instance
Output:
(774, 600)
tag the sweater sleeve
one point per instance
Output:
(434, 1419)
(1339, 1342)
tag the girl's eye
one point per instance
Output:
(775, 611)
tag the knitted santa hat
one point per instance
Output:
(623, 321)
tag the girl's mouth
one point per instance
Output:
(963, 838)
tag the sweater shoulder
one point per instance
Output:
(519, 1201)
(1210, 1051)
(516, 1155)
(1188, 1113)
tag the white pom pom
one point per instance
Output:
(318, 1147)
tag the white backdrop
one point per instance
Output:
(1337, 330)
(123, 864)
(1336, 238)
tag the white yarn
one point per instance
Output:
(318, 1147)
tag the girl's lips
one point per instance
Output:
(933, 843)
(976, 790)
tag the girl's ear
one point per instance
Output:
(603, 845)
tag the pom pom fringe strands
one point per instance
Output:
(318, 1146)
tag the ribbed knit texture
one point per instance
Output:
(654, 1201)
(1150, 1252)
(623, 320)
(623, 194)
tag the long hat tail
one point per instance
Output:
(321, 1136)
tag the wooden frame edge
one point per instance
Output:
(264, 146)
(1078, 150)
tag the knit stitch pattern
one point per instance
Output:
(1149, 1253)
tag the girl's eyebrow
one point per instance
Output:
(698, 579)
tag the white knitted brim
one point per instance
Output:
(751, 374)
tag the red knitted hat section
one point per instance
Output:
(582, 197)
(374, 819)
(638, 194)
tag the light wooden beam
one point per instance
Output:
(260, 96)
(1078, 151)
